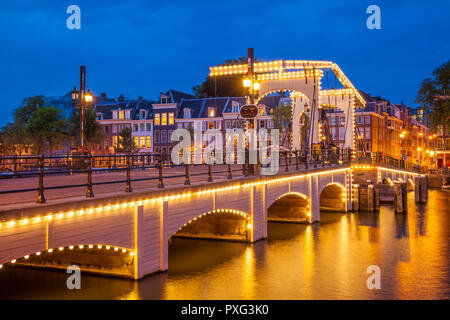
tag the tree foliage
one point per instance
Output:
(434, 96)
(92, 129)
(223, 86)
(126, 143)
(47, 129)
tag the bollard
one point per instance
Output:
(128, 186)
(400, 198)
(210, 179)
(89, 192)
(40, 197)
(420, 189)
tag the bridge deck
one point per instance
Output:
(198, 177)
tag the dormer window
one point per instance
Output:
(142, 115)
(187, 113)
(99, 116)
(121, 114)
(211, 112)
(164, 99)
(235, 106)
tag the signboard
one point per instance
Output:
(248, 111)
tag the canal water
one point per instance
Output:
(323, 261)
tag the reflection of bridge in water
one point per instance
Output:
(127, 234)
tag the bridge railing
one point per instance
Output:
(159, 166)
(388, 161)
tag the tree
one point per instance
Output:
(14, 140)
(126, 143)
(223, 86)
(47, 129)
(434, 96)
(22, 114)
(92, 129)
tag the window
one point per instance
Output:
(332, 120)
(148, 142)
(106, 130)
(270, 124)
(142, 127)
(115, 140)
(157, 136)
(164, 119)
(171, 118)
(203, 125)
(114, 114)
(135, 127)
(367, 119)
(262, 124)
(234, 106)
(227, 124)
(136, 141)
(179, 125)
(148, 127)
(142, 114)
(186, 113)
(211, 125)
(169, 137)
(163, 136)
(342, 120)
(211, 112)
(121, 114)
(157, 119)
(114, 128)
(367, 133)
(360, 119)
(341, 133)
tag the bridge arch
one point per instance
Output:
(224, 224)
(94, 258)
(290, 207)
(333, 197)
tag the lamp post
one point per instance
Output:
(419, 149)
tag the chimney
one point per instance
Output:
(121, 98)
(103, 96)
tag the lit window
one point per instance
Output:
(121, 114)
(148, 142)
(136, 141)
(115, 141)
(135, 127)
(157, 119)
(212, 112)
(171, 118)
(142, 127)
(164, 119)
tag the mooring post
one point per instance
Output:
(187, 181)
(128, 186)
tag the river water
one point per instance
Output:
(322, 261)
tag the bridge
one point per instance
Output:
(127, 234)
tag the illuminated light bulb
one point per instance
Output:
(1, 266)
(11, 223)
(38, 253)
(71, 247)
(61, 215)
(124, 250)
(50, 250)
(27, 256)
(131, 253)
(81, 246)
(249, 226)
(25, 221)
(49, 217)
(71, 214)
(116, 249)
(81, 212)
(91, 246)
(61, 248)
(99, 246)
(108, 247)
(13, 261)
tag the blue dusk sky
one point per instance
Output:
(139, 48)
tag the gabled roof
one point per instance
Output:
(178, 96)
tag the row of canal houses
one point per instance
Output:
(152, 122)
